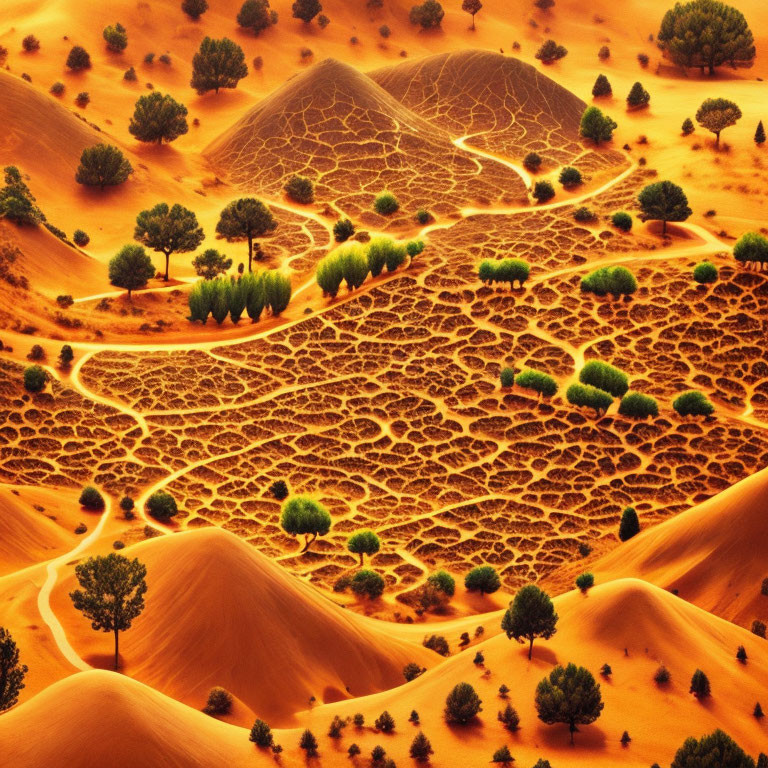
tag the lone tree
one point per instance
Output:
(482, 579)
(427, 15)
(629, 525)
(210, 264)
(530, 615)
(112, 593)
(78, 59)
(168, 230)
(717, 114)
(462, 704)
(256, 15)
(550, 51)
(246, 219)
(261, 734)
(302, 516)
(700, 685)
(363, 543)
(116, 37)
(308, 743)
(760, 134)
(131, 268)
(194, 8)
(102, 165)
(157, 118)
(471, 7)
(602, 87)
(706, 34)
(663, 201)
(716, 749)
(217, 64)
(421, 749)
(569, 695)
(12, 673)
(306, 10)
(638, 97)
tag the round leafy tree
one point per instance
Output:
(162, 506)
(385, 204)
(367, 583)
(471, 7)
(530, 615)
(219, 702)
(462, 704)
(35, 378)
(363, 543)
(550, 52)
(302, 516)
(116, 37)
(246, 219)
(663, 201)
(716, 749)
(217, 64)
(482, 579)
(78, 59)
(306, 10)
(532, 161)
(428, 15)
(585, 581)
(717, 114)
(210, 264)
(443, 582)
(569, 695)
(256, 15)
(157, 118)
(194, 8)
(102, 165)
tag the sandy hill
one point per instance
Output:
(653, 626)
(335, 125)
(101, 718)
(713, 554)
(220, 613)
(514, 107)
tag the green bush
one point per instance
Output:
(35, 378)
(80, 238)
(219, 702)
(638, 406)
(705, 272)
(538, 381)
(343, 229)
(751, 248)
(277, 291)
(504, 271)
(300, 189)
(507, 377)
(618, 281)
(329, 274)
(384, 251)
(605, 377)
(237, 296)
(622, 221)
(693, 403)
(354, 264)
(423, 216)
(584, 581)
(90, 498)
(162, 506)
(385, 203)
(482, 579)
(543, 191)
(116, 37)
(586, 396)
(261, 734)
(443, 582)
(363, 543)
(462, 704)
(570, 177)
(413, 248)
(367, 583)
(629, 525)
(583, 214)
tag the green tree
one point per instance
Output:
(157, 118)
(602, 87)
(102, 165)
(663, 201)
(532, 161)
(543, 191)
(385, 203)
(751, 248)
(306, 10)
(246, 219)
(509, 717)
(12, 672)
(705, 272)
(502, 755)
(91, 499)
(585, 581)
(629, 525)
(168, 230)
(363, 543)
(706, 34)
(716, 749)
(443, 582)
(308, 743)
(717, 114)
(210, 264)
(256, 15)
(538, 381)
(638, 97)
(700, 685)
(482, 579)
(302, 516)
(217, 64)
(570, 177)
(596, 125)
(194, 8)
(111, 594)
(162, 506)
(131, 268)
(428, 15)
(687, 128)
(261, 734)
(569, 695)
(116, 37)
(530, 615)
(219, 702)
(343, 229)
(587, 396)
(17, 203)
(462, 704)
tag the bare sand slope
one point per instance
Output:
(654, 627)
(713, 554)
(103, 719)
(220, 613)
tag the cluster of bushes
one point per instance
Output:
(251, 293)
(617, 281)
(353, 262)
(503, 271)
(604, 376)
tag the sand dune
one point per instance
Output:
(704, 553)
(220, 613)
(101, 718)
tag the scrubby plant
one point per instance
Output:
(482, 579)
(354, 750)
(586, 396)
(194, 8)
(443, 582)
(741, 654)
(596, 125)
(585, 581)
(504, 271)
(705, 272)
(700, 686)
(693, 403)
(421, 748)
(308, 743)
(83, 99)
(662, 675)
(336, 727)
(638, 97)
(428, 15)
(413, 717)
(530, 615)
(116, 37)
(219, 702)
(66, 356)
(57, 88)
(130, 75)
(540, 382)
(509, 717)
(329, 274)
(35, 378)
(532, 161)
(758, 628)
(604, 53)
(358, 720)
(543, 191)
(385, 204)
(584, 215)
(261, 734)
(102, 165)
(507, 377)
(91, 498)
(751, 248)
(30, 44)
(164, 59)
(127, 504)
(78, 59)
(602, 87)
(617, 281)
(210, 264)
(384, 722)
(570, 177)
(300, 189)
(550, 52)
(80, 238)
(343, 229)
(502, 755)
(636, 405)
(162, 506)
(462, 704)
(385, 31)
(479, 659)
(622, 221)
(436, 643)
(687, 128)
(606, 670)
(411, 671)
(256, 15)
(367, 583)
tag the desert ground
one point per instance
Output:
(384, 403)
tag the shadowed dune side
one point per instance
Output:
(353, 139)
(713, 554)
(220, 613)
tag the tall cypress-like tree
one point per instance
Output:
(530, 615)
(246, 219)
(112, 593)
(217, 64)
(629, 525)
(760, 134)
(12, 672)
(168, 230)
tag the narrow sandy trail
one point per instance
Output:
(518, 169)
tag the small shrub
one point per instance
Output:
(606, 670)
(279, 489)
(604, 53)
(570, 177)
(358, 720)
(411, 671)
(687, 127)
(66, 356)
(482, 579)
(583, 215)
(587, 396)
(219, 702)
(462, 704)
(705, 272)
(585, 581)
(741, 654)
(625, 738)
(643, 59)
(126, 504)
(443, 582)
(35, 378)
(353, 750)
(336, 727)
(83, 99)
(543, 191)
(758, 628)
(423, 216)
(261, 734)
(662, 676)
(57, 88)
(636, 405)
(700, 687)
(479, 659)
(78, 59)
(385, 204)
(503, 756)
(90, 498)
(116, 38)
(503, 691)
(532, 162)
(507, 377)
(622, 221)
(36, 353)
(165, 59)
(343, 229)
(308, 743)
(436, 643)
(384, 722)
(617, 281)
(80, 238)
(385, 31)
(550, 51)
(367, 583)
(162, 506)
(539, 382)
(693, 403)
(638, 97)
(509, 717)
(30, 44)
